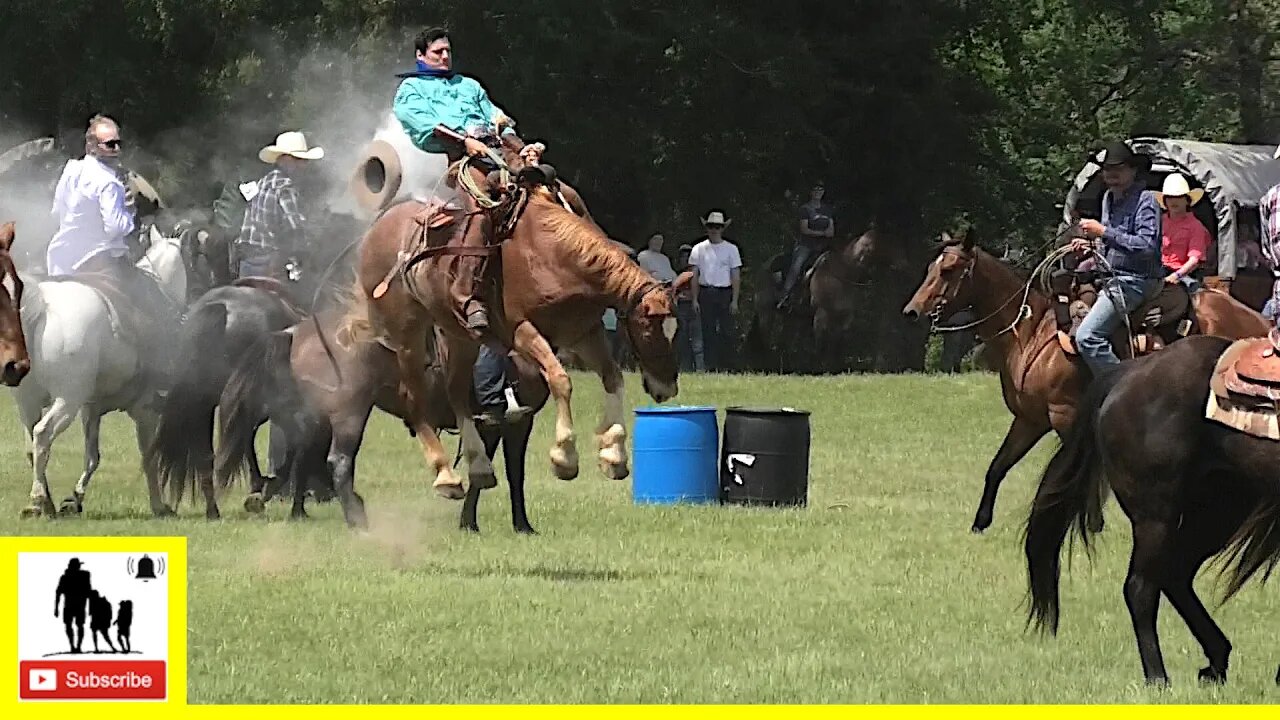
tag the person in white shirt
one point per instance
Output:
(95, 215)
(717, 280)
(655, 262)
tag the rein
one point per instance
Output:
(624, 315)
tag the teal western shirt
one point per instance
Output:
(458, 102)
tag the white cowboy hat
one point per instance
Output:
(290, 143)
(1176, 186)
(716, 218)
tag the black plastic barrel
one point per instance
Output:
(764, 458)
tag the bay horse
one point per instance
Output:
(1040, 383)
(15, 363)
(82, 363)
(1192, 489)
(558, 273)
(288, 379)
(221, 326)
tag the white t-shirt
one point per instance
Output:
(657, 265)
(714, 261)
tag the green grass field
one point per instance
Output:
(875, 593)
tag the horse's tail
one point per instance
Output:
(183, 441)
(1070, 494)
(1255, 546)
(261, 382)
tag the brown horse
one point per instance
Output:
(558, 274)
(289, 380)
(14, 361)
(1192, 488)
(1041, 384)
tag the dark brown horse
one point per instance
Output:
(14, 361)
(1190, 487)
(847, 294)
(291, 381)
(558, 274)
(1041, 384)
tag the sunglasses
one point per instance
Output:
(714, 226)
(110, 144)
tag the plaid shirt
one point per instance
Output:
(1270, 209)
(273, 219)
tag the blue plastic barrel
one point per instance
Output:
(675, 451)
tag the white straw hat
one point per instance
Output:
(290, 143)
(1176, 186)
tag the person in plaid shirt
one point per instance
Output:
(1270, 209)
(274, 225)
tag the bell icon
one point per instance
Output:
(146, 569)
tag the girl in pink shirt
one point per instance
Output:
(1185, 241)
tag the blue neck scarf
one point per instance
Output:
(425, 71)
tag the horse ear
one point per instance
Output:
(967, 244)
(945, 239)
(6, 236)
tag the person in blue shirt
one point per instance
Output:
(433, 95)
(1129, 234)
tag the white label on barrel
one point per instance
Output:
(741, 458)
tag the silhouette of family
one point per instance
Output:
(77, 597)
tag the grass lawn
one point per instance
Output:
(874, 593)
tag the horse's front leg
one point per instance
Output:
(611, 433)
(53, 424)
(564, 452)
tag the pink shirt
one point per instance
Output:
(1184, 238)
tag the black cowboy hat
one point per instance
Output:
(1119, 153)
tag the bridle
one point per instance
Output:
(624, 315)
(970, 259)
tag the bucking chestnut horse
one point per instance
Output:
(1041, 384)
(557, 273)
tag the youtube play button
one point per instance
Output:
(43, 680)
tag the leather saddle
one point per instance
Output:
(1155, 323)
(125, 313)
(1251, 368)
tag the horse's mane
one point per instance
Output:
(593, 250)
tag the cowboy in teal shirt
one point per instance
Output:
(435, 95)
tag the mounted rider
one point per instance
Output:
(96, 214)
(817, 228)
(1269, 208)
(434, 96)
(1129, 238)
(274, 229)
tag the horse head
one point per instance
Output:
(651, 327)
(15, 363)
(946, 287)
(164, 259)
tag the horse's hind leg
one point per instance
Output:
(91, 421)
(1148, 571)
(491, 436)
(344, 445)
(459, 372)
(564, 453)
(515, 443)
(145, 423)
(1022, 436)
(611, 433)
(1202, 533)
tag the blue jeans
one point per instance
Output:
(490, 378)
(1119, 296)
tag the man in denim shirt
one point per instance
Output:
(1130, 239)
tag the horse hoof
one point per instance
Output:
(615, 471)
(298, 516)
(978, 529)
(1214, 676)
(254, 504)
(212, 514)
(70, 506)
(450, 492)
(32, 511)
(163, 511)
(526, 530)
(483, 480)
